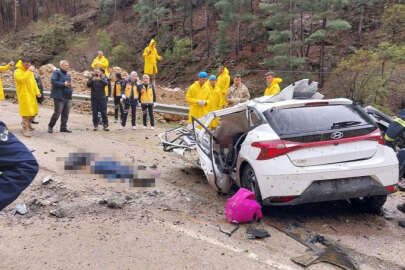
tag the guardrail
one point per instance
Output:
(160, 108)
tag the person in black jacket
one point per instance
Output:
(118, 90)
(18, 167)
(61, 93)
(97, 83)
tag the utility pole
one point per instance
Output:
(157, 19)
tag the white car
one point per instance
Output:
(292, 148)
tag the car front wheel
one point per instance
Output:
(372, 204)
(249, 181)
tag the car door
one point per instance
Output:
(209, 142)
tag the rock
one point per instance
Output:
(47, 69)
(114, 205)
(59, 213)
(153, 193)
(154, 166)
(172, 117)
(21, 209)
(86, 74)
(47, 180)
(102, 202)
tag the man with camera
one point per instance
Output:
(97, 83)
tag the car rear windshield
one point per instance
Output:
(312, 120)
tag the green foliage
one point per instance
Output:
(149, 12)
(393, 28)
(104, 41)
(179, 54)
(122, 55)
(233, 13)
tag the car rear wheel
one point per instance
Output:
(249, 181)
(372, 204)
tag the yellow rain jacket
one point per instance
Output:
(104, 64)
(223, 83)
(131, 90)
(27, 90)
(273, 88)
(101, 63)
(147, 94)
(151, 57)
(195, 93)
(214, 102)
(2, 69)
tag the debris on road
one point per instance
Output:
(21, 209)
(254, 233)
(59, 213)
(231, 232)
(47, 180)
(401, 223)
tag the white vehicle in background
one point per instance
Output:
(292, 148)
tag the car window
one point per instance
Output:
(315, 119)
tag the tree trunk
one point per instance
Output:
(191, 24)
(237, 45)
(322, 58)
(15, 15)
(115, 9)
(207, 28)
(290, 53)
(360, 28)
(157, 20)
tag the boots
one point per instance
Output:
(30, 123)
(25, 126)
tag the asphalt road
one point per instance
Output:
(173, 225)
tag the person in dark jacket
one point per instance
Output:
(61, 93)
(97, 83)
(130, 99)
(147, 96)
(41, 90)
(18, 167)
(117, 91)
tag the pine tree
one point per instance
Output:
(233, 14)
(151, 13)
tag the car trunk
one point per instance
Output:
(318, 135)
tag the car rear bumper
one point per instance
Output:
(335, 189)
(280, 178)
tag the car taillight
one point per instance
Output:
(271, 149)
(376, 136)
(392, 188)
(275, 148)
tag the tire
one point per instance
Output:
(249, 181)
(372, 204)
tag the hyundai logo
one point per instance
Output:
(336, 135)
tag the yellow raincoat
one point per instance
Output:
(223, 83)
(273, 88)
(2, 69)
(101, 63)
(151, 57)
(214, 101)
(27, 90)
(195, 93)
(104, 64)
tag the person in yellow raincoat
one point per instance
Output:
(198, 97)
(2, 69)
(101, 62)
(223, 83)
(273, 87)
(151, 57)
(27, 93)
(215, 98)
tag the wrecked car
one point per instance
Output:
(292, 148)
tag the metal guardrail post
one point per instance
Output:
(160, 108)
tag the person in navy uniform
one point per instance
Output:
(18, 167)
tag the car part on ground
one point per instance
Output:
(320, 248)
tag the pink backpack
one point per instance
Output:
(242, 207)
